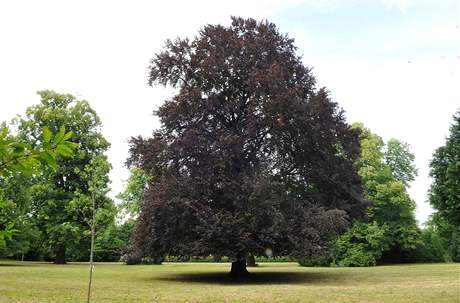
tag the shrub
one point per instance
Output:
(361, 245)
(316, 261)
(357, 255)
(432, 248)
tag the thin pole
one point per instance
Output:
(91, 268)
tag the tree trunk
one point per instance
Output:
(60, 255)
(239, 268)
(91, 254)
(251, 261)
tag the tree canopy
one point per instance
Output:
(61, 204)
(390, 232)
(18, 158)
(250, 157)
(445, 171)
(131, 196)
(445, 192)
(400, 160)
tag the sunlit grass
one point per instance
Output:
(200, 282)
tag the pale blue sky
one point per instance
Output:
(391, 64)
(373, 30)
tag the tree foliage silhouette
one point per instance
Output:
(250, 157)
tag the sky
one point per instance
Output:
(391, 64)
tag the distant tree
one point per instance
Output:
(445, 171)
(400, 160)
(362, 245)
(250, 158)
(385, 170)
(16, 209)
(449, 235)
(433, 249)
(445, 190)
(441, 241)
(61, 197)
(112, 243)
(134, 190)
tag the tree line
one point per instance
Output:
(251, 159)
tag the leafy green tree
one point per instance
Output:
(6, 227)
(18, 159)
(445, 171)
(113, 242)
(441, 241)
(445, 191)
(385, 170)
(362, 245)
(62, 201)
(438, 245)
(398, 157)
(135, 187)
(17, 203)
(96, 175)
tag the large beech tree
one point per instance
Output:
(251, 157)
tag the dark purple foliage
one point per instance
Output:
(250, 154)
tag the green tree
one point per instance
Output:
(16, 209)
(445, 191)
(445, 171)
(436, 245)
(385, 170)
(62, 201)
(362, 245)
(18, 159)
(400, 160)
(451, 240)
(135, 187)
(112, 243)
(96, 175)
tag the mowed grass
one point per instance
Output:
(201, 282)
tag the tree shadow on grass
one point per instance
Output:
(255, 278)
(8, 264)
(11, 263)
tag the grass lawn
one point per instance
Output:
(203, 282)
